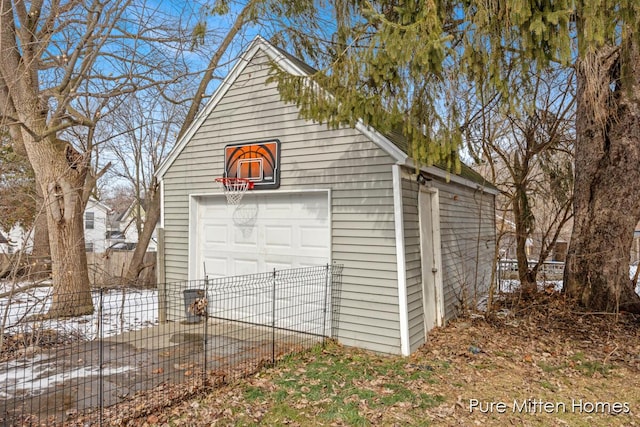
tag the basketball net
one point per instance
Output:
(234, 188)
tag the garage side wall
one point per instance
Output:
(467, 230)
(467, 233)
(357, 172)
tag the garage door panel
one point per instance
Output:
(216, 266)
(314, 212)
(214, 208)
(244, 236)
(310, 263)
(244, 266)
(278, 236)
(300, 260)
(313, 237)
(276, 207)
(281, 261)
(215, 233)
(270, 265)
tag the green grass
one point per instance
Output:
(335, 387)
(547, 385)
(549, 368)
(589, 367)
(254, 393)
(338, 385)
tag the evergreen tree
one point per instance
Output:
(392, 64)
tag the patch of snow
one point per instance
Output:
(116, 311)
(119, 312)
(513, 285)
(32, 377)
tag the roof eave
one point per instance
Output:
(452, 177)
(383, 142)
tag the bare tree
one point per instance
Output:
(530, 154)
(151, 122)
(64, 66)
(148, 125)
(22, 205)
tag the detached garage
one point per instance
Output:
(415, 244)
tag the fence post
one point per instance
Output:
(161, 282)
(273, 320)
(325, 304)
(100, 357)
(206, 329)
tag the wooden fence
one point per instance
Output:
(107, 269)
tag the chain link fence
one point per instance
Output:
(145, 349)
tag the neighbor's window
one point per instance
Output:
(88, 246)
(88, 220)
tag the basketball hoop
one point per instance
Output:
(234, 188)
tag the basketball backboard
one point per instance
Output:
(257, 161)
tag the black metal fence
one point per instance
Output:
(145, 349)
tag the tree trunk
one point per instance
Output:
(528, 284)
(71, 288)
(41, 247)
(607, 183)
(152, 214)
(62, 179)
(523, 221)
(61, 174)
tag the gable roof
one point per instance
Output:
(94, 203)
(393, 143)
(131, 211)
(3, 240)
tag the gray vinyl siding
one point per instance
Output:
(467, 233)
(312, 157)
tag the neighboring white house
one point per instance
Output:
(17, 239)
(95, 231)
(124, 232)
(95, 226)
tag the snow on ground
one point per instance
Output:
(116, 311)
(512, 285)
(120, 311)
(31, 376)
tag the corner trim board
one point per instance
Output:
(401, 260)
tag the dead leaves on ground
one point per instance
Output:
(550, 353)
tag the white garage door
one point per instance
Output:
(266, 231)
